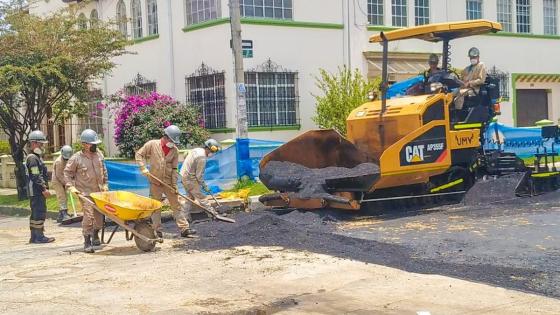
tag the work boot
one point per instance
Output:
(188, 232)
(40, 238)
(88, 247)
(95, 240)
(32, 239)
(63, 216)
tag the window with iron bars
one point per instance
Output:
(375, 12)
(140, 86)
(505, 14)
(206, 91)
(474, 9)
(121, 18)
(82, 22)
(93, 119)
(272, 96)
(137, 31)
(504, 82)
(421, 12)
(152, 17)
(523, 16)
(198, 11)
(550, 13)
(400, 15)
(272, 9)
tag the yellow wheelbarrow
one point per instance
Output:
(124, 207)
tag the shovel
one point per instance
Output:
(76, 218)
(212, 213)
(221, 208)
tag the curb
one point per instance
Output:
(23, 212)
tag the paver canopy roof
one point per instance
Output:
(439, 31)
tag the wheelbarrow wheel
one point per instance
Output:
(146, 230)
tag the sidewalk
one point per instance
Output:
(8, 191)
(13, 191)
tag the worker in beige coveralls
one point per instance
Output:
(473, 77)
(85, 173)
(59, 184)
(162, 156)
(192, 173)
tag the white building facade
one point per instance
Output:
(182, 48)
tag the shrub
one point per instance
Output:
(342, 93)
(139, 119)
(5, 148)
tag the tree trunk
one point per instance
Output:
(21, 178)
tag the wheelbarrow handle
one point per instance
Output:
(210, 212)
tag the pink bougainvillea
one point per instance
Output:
(139, 118)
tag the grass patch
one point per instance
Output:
(255, 188)
(12, 201)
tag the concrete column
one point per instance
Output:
(4, 159)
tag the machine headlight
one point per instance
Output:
(435, 86)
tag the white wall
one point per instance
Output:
(305, 50)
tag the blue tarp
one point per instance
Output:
(398, 89)
(221, 169)
(524, 142)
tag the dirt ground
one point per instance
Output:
(59, 278)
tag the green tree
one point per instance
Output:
(342, 93)
(47, 66)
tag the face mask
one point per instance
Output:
(93, 148)
(474, 62)
(38, 151)
(170, 145)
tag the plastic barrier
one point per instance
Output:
(221, 169)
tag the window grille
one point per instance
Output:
(140, 85)
(474, 9)
(152, 17)
(375, 12)
(198, 11)
(523, 16)
(272, 96)
(206, 91)
(400, 15)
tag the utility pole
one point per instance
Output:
(244, 165)
(236, 44)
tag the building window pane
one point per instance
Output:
(82, 21)
(523, 16)
(121, 18)
(274, 9)
(421, 12)
(199, 11)
(474, 9)
(152, 17)
(400, 15)
(206, 91)
(93, 18)
(136, 19)
(550, 12)
(505, 14)
(375, 12)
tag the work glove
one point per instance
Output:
(46, 193)
(145, 171)
(74, 190)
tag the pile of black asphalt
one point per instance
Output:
(491, 237)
